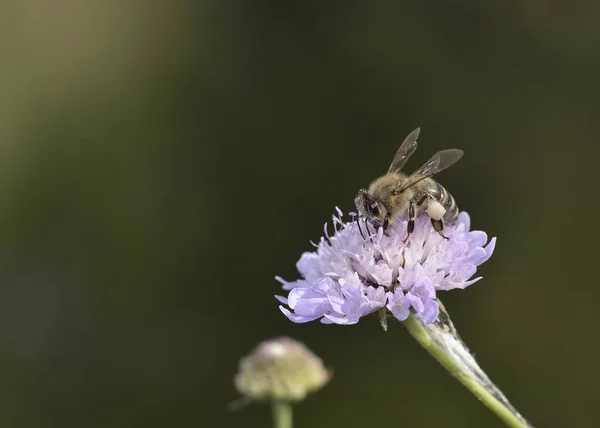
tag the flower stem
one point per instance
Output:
(443, 343)
(282, 414)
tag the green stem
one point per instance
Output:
(282, 414)
(443, 343)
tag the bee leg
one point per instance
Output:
(359, 228)
(423, 199)
(438, 226)
(386, 223)
(411, 220)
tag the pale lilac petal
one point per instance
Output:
(308, 302)
(400, 312)
(314, 306)
(336, 301)
(282, 299)
(475, 257)
(341, 319)
(464, 272)
(305, 296)
(351, 290)
(309, 266)
(381, 273)
(398, 305)
(377, 297)
(298, 318)
(472, 281)
(465, 220)
(430, 311)
(489, 250)
(301, 283)
(477, 238)
(415, 302)
(423, 288)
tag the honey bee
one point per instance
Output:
(395, 193)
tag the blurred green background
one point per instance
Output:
(161, 161)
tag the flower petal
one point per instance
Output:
(282, 299)
(297, 318)
(398, 305)
(489, 250)
(465, 220)
(341, 319)
(430, 312)
(415, 302)
(477, 238)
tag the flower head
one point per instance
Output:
(359, 270)
(280, 369)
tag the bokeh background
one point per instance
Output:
(161, 162)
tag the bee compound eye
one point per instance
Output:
(374, 209)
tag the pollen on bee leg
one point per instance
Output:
(435, 210)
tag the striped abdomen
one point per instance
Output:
(440, 194)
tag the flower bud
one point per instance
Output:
(280, 369)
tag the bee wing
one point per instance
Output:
(407, 148)
(438, 162)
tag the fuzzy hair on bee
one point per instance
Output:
(395, 194)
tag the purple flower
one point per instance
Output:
(360, 270)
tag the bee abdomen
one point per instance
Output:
(440, 194)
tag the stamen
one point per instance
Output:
(326, 233)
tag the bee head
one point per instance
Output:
(369, 207)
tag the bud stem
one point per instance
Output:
(443, 343)
(282, 414)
